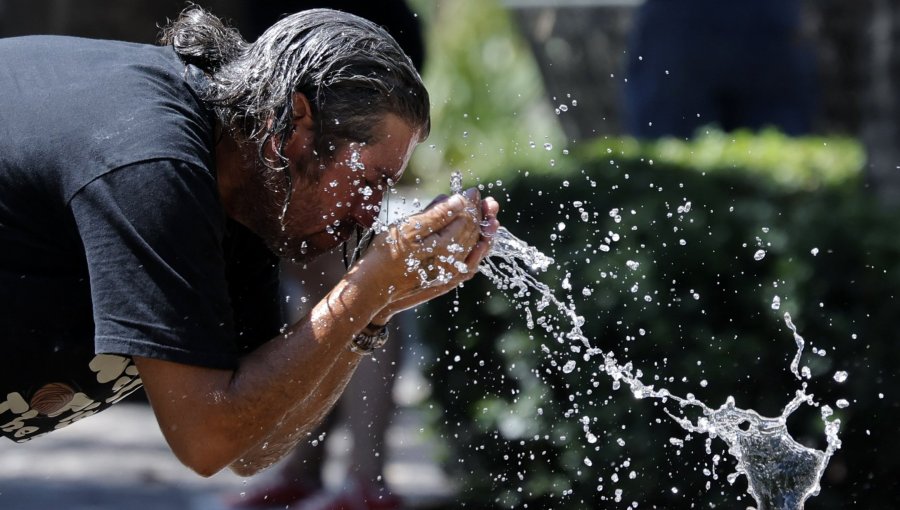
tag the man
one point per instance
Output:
(143, 193)
(366, 406)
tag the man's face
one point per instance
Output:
(324, 211)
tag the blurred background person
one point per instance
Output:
(729, 63)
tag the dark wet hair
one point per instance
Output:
(351, 70)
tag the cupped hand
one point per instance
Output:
(430, 253)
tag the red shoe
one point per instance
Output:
(281, 492)
(354, 496)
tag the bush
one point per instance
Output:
(696, 315)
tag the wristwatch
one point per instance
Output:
(365, 344)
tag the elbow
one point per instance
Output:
(205, 455)
(201, 462)
(209, 456)
(205, 471)
(246, 469)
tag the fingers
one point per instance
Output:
(476, 241)
(450, 238)
(484, 244)
(489, 210)
(443, 211)
(438, 199)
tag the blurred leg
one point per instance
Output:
(369, 406)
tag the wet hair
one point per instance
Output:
(351, 71)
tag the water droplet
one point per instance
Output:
(548, 146)
(759, 255)
(842, 403)
(569, 366)
(776, 303)
(840, 376)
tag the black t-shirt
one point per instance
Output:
(113, 242)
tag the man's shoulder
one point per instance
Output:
(76, 108)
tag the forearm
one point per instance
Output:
(293, 378)
(301, 420)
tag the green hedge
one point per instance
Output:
(696, 316)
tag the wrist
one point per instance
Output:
(369, 273)
(379, 321)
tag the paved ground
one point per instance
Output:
(118, 460)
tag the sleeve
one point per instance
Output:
(152, 235)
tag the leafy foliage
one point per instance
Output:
(487, 99)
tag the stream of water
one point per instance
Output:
(781, 473)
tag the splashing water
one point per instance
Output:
(781, 473)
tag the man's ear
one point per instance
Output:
(303, 117)
(299, 144)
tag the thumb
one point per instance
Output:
(441, 213)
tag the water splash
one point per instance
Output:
(781, 473)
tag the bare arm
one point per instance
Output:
(215, 418)
(294, 427)
(212, 418)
